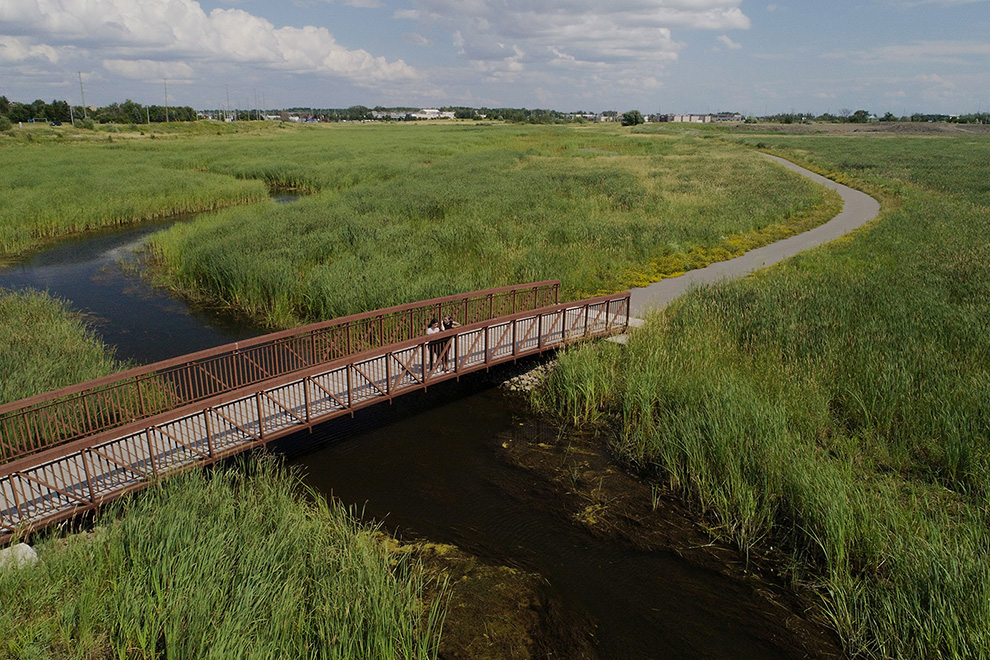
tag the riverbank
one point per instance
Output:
(834, 405)
(233, 562)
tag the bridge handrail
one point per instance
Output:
(53, 453)
(45, 420)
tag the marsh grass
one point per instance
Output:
(412, 212)
(52, 190)
(837, 404)
(231, 563)
(45, 346)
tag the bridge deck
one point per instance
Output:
(55, 484)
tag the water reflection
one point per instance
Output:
(98, 273)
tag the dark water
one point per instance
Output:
(430, 467)
(96, 272)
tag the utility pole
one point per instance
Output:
(83, 95)
(166, 99)
(228, 102)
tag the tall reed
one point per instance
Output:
(45, 346)
(234, 563)
(407, 213)
(837, 404)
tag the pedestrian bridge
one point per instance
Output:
(74, 449)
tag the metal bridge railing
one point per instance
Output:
(60, 482)
(37, 423)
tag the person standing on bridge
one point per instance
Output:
(432, 329)
(448, 323)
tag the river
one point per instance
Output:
(434, 466)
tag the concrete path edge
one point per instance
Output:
(858, 208)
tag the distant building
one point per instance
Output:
(432, 113)
(389, 114)
(692, 119)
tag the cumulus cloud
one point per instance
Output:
(583, 32)
(178, 35)
(935, 80)
(19, 49)
(575, 48)
(729, 43)
(416, 39)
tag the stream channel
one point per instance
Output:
(434, 466)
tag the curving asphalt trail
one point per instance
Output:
(858, 208)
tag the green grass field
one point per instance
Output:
(44, 346)
(836, 405)
(52, 189)
(233, 563)
(404, 213)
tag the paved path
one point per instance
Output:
(857, 209)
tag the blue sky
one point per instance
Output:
(901, 56)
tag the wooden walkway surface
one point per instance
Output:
(58, 483)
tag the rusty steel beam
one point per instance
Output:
(123, 390)
(241, 410)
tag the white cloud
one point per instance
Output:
(179, 35)
(628, 30)
(627, 42)
(20, 49)
(729, 43)
(935, 80)
(416, 39)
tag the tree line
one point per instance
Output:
(865, 116)
(127, 112)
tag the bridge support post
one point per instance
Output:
(18, 501)
(151, 452)
(209, 430)
(87, 458)
(261, 417)
(388, 377)
(309, 416)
